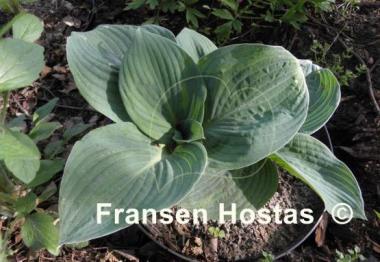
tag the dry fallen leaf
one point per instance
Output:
(186, 247)
(18, 238)
(45, 71)
(375, 245)
(127, 256)
(214, 245)
(197, 251)
(198, 241)
(193, 247)
(60, 77)
(181, 229)
(111, 258)
(60, 69)
(320, 232)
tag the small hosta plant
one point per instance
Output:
(195, 126)
(216, 232)
(352, 255)
(267, 257)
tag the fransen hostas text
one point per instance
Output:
(105, 211)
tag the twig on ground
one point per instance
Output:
(22, 108)
(126, 255)
(347, 98)
(327, 26)
(369, 78)
(374, 65)
(47, 258)
(3, 112)
(47, 89)
(100, 248)
(368, 73)
(70, 107)
(291, 44)
(243, 35)
(336, 38)
(92, 14)
(75, 108)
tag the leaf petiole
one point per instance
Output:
(3, 112)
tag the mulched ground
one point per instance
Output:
(354, 129)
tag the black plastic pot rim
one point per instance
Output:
(287, 251)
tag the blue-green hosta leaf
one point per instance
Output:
(95, 58)
(160, 85)
(20, 63)
(312, 162)
(195, 44)
(39, 232)
(324, 92)
(308, 67)
(140, 174)
(249, 187)
(20, 154)
(189, 131)
(159, 30)
(256, 102)
(27, 27)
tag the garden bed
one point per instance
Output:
(354, 129)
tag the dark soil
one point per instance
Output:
(354, 129)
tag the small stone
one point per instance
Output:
(72, 21)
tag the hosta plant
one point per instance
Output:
(195, 126)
